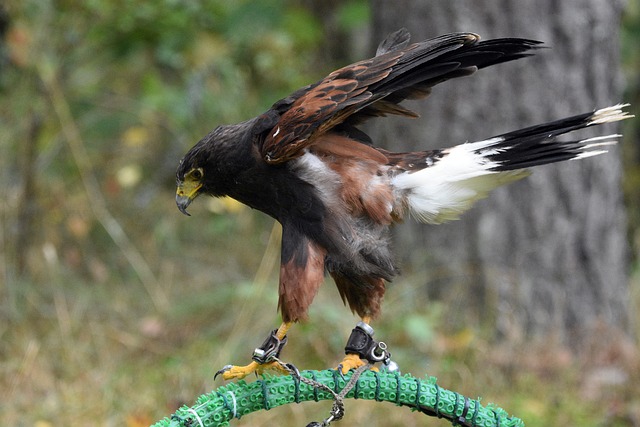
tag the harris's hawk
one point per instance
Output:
(305, 163)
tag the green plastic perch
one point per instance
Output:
(236, 400)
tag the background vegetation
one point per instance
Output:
(115, 309)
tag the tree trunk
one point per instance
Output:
(547, 255)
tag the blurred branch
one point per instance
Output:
(26, 205)
(270, 256)
(92, 187)
(243, 314)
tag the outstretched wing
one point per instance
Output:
(376, 87)
(324, 106)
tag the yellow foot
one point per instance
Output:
(352, 361)
(231, 372)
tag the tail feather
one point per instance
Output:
(537, 145)
(447, 182)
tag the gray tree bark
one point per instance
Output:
(547, 255)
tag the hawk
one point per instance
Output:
(306, 163)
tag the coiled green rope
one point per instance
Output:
(235, 400)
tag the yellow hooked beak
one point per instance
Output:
(185, 193)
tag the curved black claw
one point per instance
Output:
(339, 369)
(224, 369)
(291, 368)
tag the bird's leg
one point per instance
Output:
(361, 348)
(263, 356)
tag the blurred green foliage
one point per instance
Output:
(143, 81)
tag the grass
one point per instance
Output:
(76, 351)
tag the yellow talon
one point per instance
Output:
(352, 361)
(231, 372)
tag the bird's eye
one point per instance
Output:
(196, 174)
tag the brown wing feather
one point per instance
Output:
(324, 106)
(365, 189)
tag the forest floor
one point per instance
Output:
(80, 354)
(106, 350)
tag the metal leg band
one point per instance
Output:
(361, 342)
(270, 348)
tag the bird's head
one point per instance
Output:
(190, 180)
(195, 174)
(211, 164)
